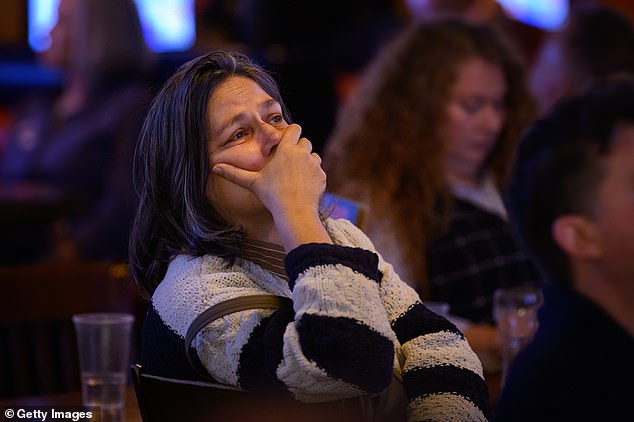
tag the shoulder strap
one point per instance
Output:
(225, 308)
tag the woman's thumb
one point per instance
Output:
(241, 177)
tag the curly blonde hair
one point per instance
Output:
(387, 148)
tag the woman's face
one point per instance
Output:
(475, 115)
(246, 124)
(615, 211)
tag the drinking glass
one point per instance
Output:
(515, 313)
(103, 341)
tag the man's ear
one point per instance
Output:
(576, 236)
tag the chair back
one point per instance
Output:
(336, 206)
(167, 399)
(39, 348)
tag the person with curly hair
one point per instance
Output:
(426, 142)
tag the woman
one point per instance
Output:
(80, 139)
(229, 196)
(426, 142)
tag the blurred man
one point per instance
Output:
(571, 200)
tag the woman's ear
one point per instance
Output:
(576, 236)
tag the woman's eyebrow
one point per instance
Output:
(263, 106)
(235, 119)
(268, 104)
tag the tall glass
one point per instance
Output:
(515, 313)
(103, 341)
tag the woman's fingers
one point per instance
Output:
(306, 144)
(291, 134)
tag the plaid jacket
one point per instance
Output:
(477, 255)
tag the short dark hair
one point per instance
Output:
(172, 165)
(559, 166)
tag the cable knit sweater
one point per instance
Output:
(354, 325)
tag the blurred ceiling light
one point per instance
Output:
(548, 15)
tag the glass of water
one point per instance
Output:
(103, 341)
(515, 313)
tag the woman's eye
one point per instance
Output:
(277, 118)
(471, 106)
(237, 135)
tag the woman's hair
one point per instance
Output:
(107, 41)
(172, 165)
(388, 147)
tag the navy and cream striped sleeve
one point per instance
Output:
(441, 374)
(341, 344)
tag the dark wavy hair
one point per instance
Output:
(172, 165)
(559, 167)
(389, 142)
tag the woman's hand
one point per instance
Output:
(290, 186)
(292, 181)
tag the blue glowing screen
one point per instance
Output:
(168, 25)
(548, 15)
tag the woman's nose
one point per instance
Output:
(493, 119)
(270, 137)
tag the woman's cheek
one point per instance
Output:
(251, 163)
(246, 157)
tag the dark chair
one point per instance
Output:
(166, 399)
(38, 349)
(337, 206)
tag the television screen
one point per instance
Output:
(548, 15)
(168, 25)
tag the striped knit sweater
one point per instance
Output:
(354, 325)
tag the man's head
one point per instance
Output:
(572, 190)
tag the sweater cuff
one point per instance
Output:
(313, 254)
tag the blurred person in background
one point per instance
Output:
(526, 38)
(80, 140)
(596, 41)
(571, 199)
(426, 141)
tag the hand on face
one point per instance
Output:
(292, 181)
